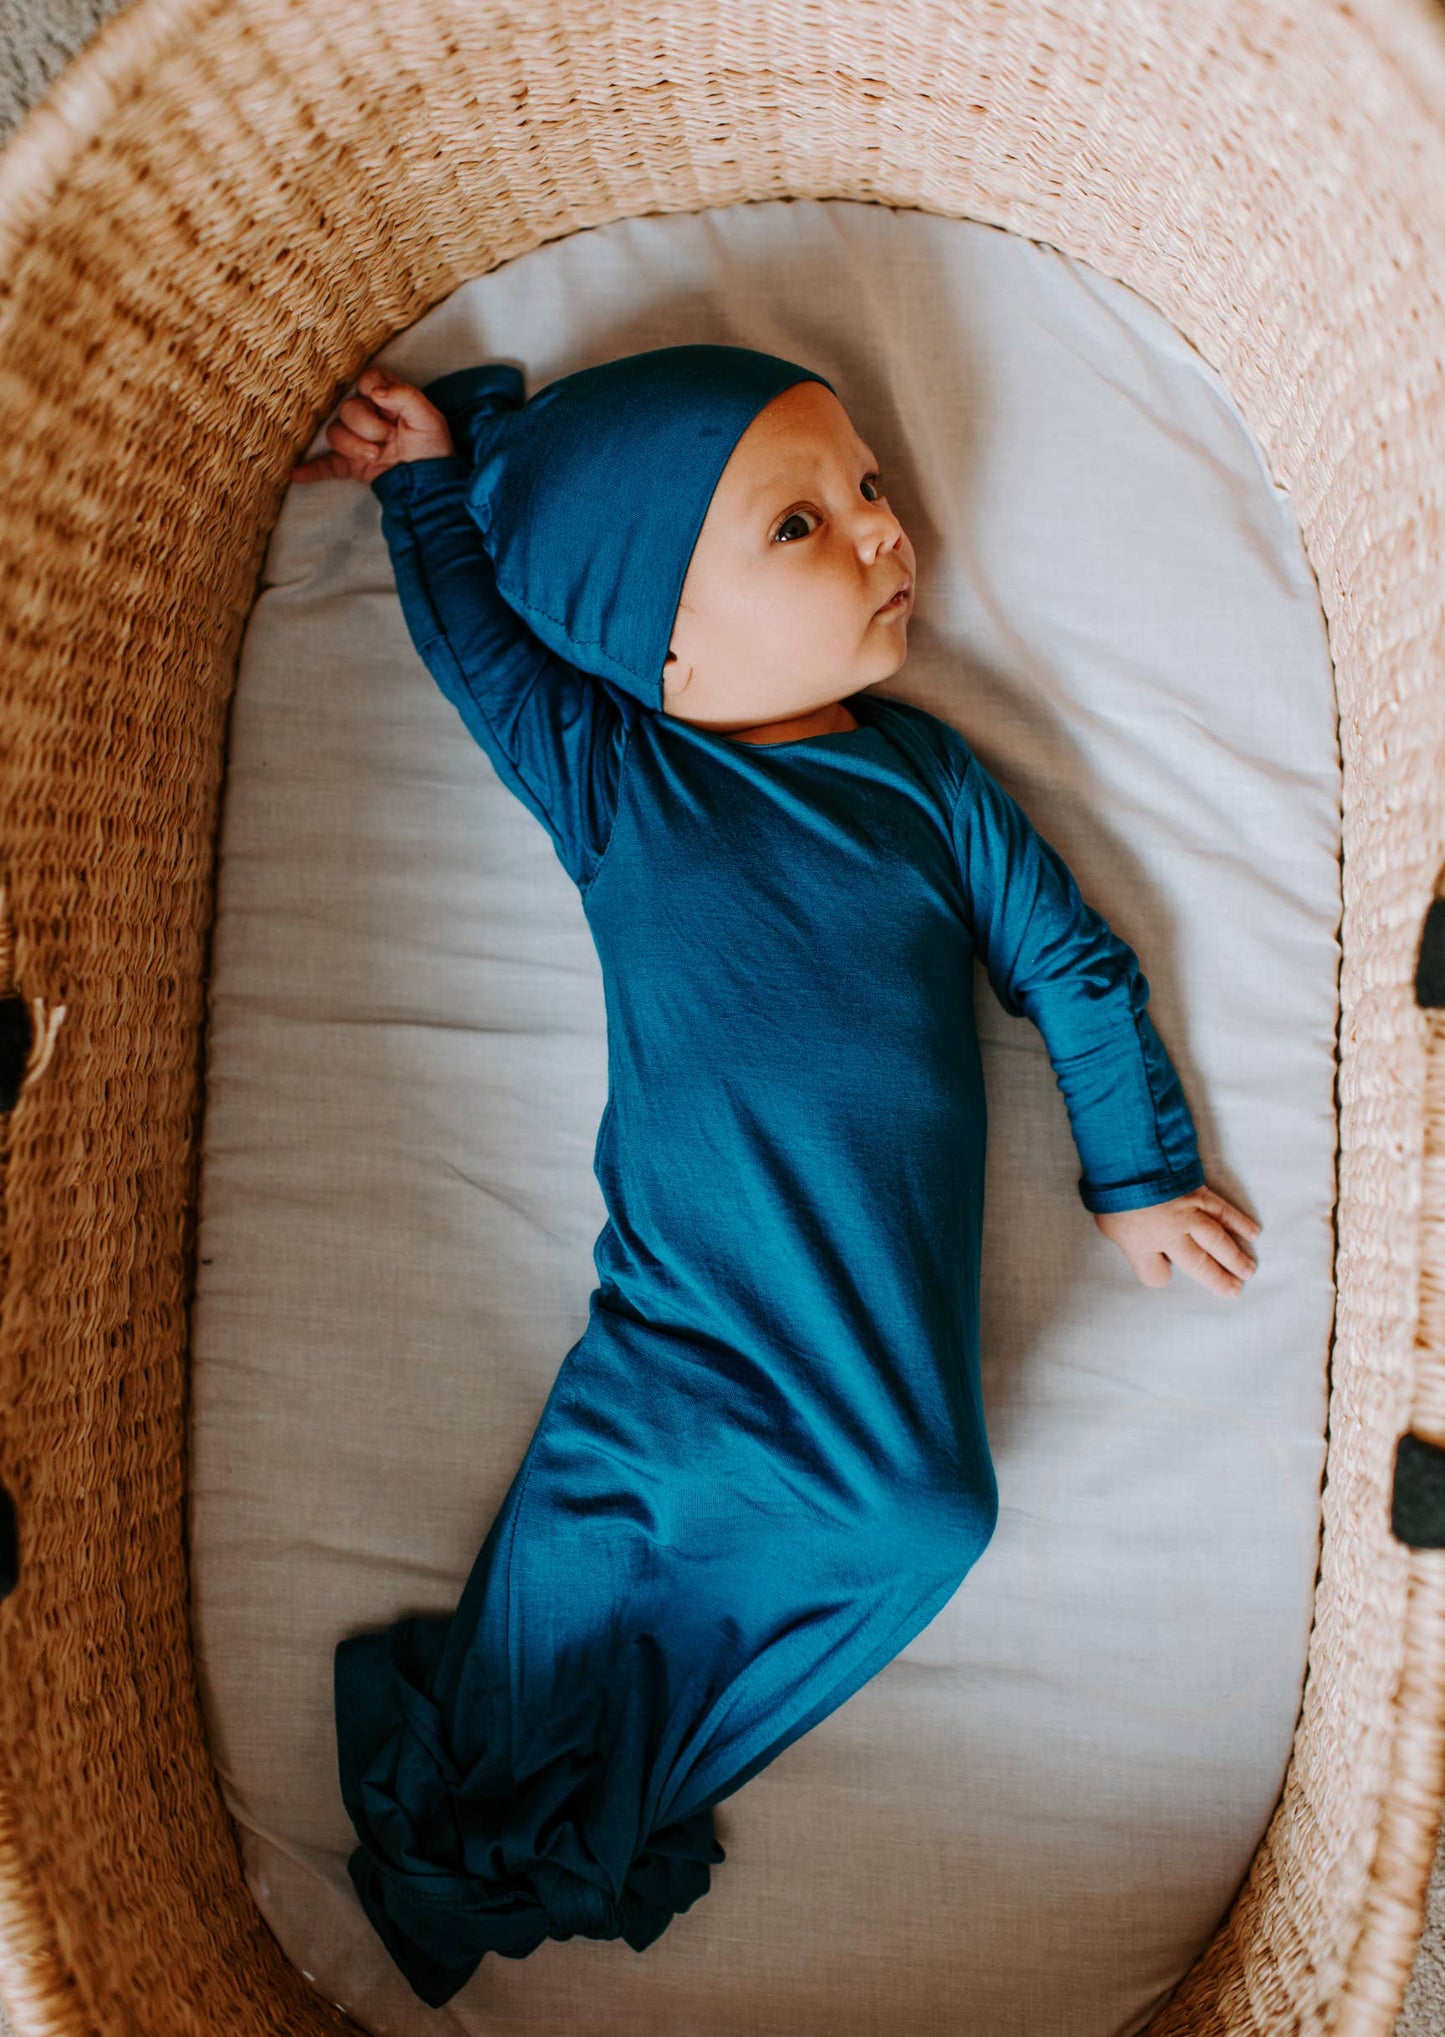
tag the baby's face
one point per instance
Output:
(779, 610)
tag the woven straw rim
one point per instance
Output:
(1173, 146)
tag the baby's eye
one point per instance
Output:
(872, 481)
(792, 516)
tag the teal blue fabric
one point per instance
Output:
(762, 1468)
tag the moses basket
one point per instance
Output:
(214, 217)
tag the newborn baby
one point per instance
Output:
(658, 595)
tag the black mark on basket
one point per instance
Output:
(15, 1038)
(1430, 970)
(1417, 1512)
(9, 1545)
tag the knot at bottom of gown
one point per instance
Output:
(572, 1907)
(457, 1859)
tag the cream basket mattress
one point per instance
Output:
(1029, 1824)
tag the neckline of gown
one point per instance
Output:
(850, 701)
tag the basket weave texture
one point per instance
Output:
(214, 217)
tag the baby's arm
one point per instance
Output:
(1051, 957)
(556, 736)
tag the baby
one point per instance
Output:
(763, 1467)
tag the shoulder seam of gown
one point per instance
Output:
(940, 734)
(963, 776)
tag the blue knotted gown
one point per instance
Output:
(763, 1467)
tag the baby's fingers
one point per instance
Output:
(1222, 1243)
(323, 467)
(400, 403)
(358, 451)
(1244, 1226)
(1199, 1265)
(359, 415)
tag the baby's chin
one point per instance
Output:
(725, 711)
(898, 632)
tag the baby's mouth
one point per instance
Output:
(898, 602)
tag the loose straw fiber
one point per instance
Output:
(214, 218)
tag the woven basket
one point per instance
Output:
(217, 214)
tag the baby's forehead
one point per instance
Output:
(804, 413)
(797, 443)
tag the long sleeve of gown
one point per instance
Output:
(1051, 957)
(556, 735)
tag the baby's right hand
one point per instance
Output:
(385, 422)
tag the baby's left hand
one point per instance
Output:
(386, 422)
(1195, 1232)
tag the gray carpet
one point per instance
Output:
(37, 38)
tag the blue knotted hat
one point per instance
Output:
(590, 497)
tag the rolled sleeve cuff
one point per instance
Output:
(409, 478)
(1141, 1194)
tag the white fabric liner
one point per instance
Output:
(1031, 1822)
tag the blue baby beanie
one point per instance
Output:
(590, 497)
